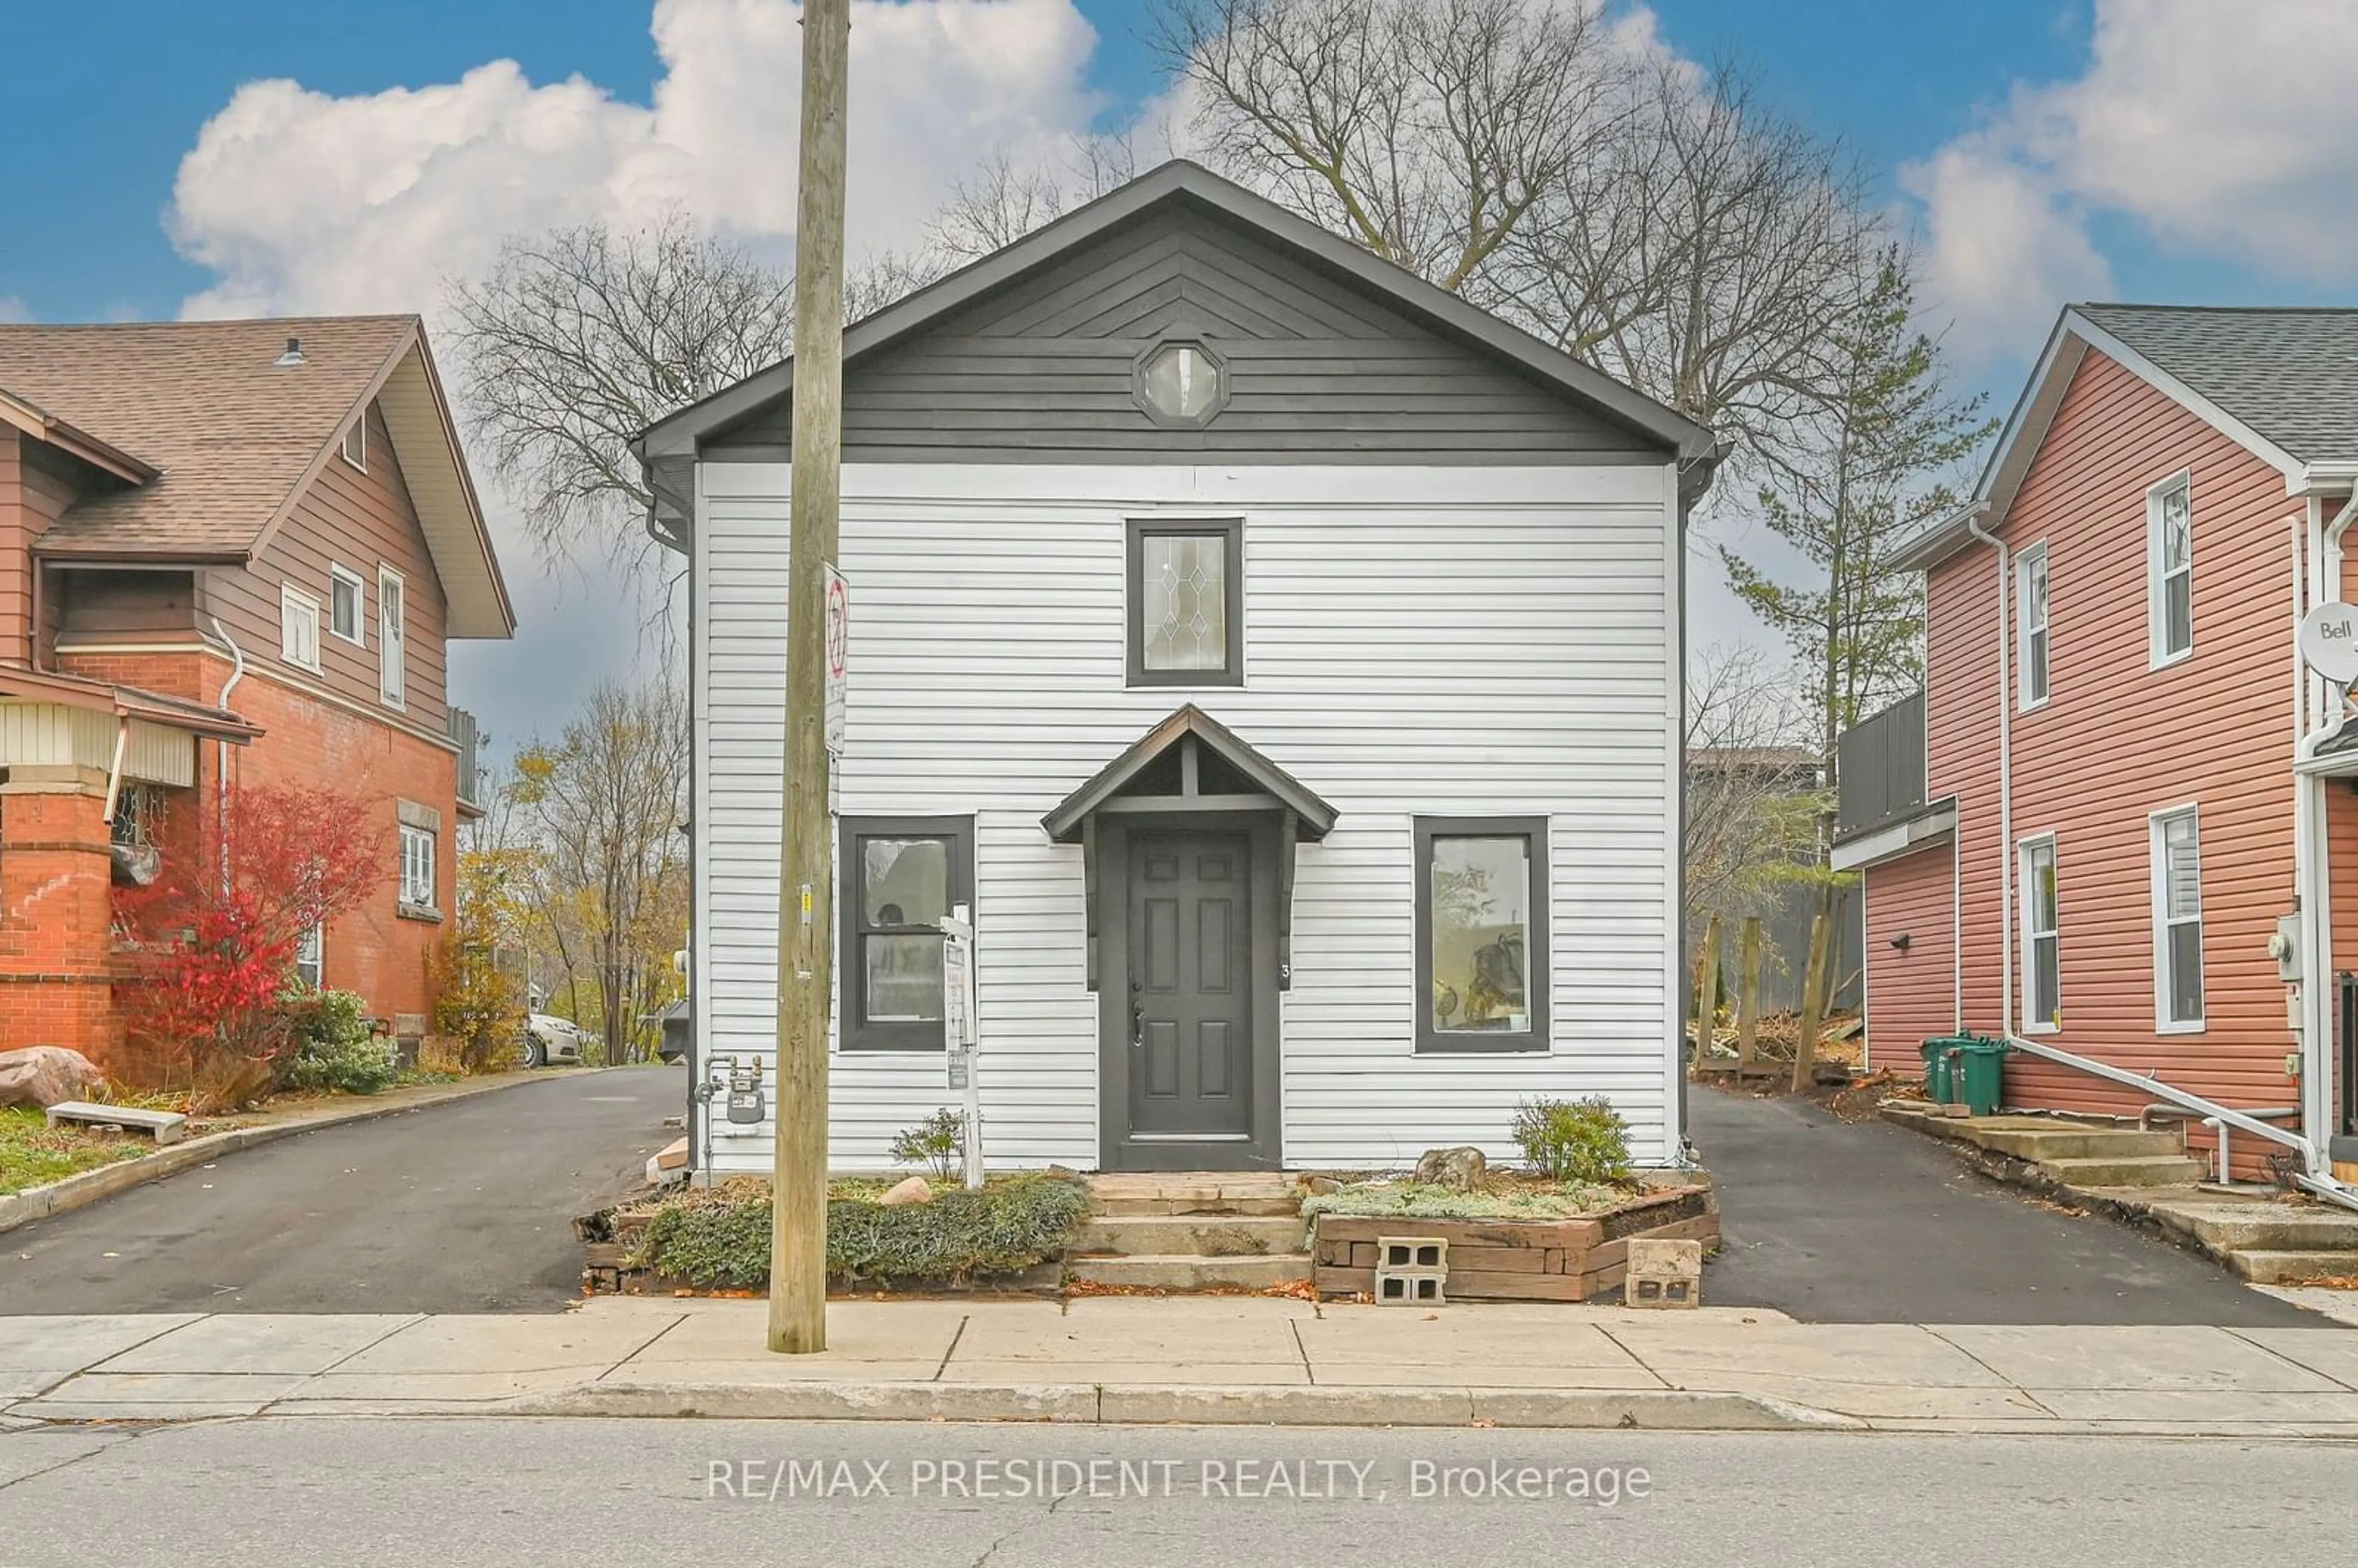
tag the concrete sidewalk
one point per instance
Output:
(1212, 1360)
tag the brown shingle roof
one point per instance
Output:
(233, 433)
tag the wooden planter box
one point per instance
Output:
(1517, 1261)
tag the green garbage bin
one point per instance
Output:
(1940, 1077)
(1980, 1075)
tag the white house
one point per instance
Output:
(1280, 654)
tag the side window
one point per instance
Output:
(1481, 934)
(344, 594)
(298, 627)
(900, 877)
(2169, 523)
(2030, 626)
(355, 446)
(2043, 940)
(310, 954)
(392, 637)
(2177, 920)
(1186, 603)
(417, 867)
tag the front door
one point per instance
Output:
(1190, 987)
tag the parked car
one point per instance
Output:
(547, 1038)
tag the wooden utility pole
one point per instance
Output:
(806, 882)
(1814, 1000)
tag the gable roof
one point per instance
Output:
(1317, 817)
(1180, 183)
(2281, 383)
(229, 438)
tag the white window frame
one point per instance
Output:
(294, 602)
(392, 637)
(2156, 825)
(344, 577)
(2030, 558)
(311, 954)
(418, 855)
(2025, 853)
(2157, 606)
(353, 445)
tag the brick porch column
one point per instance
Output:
(57, 913)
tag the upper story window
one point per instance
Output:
(2030, 626)
(1182, 385)
(298, 627)
(2169, 558)
(1186, 603)
(392, 637)
(344, 593)
(355, 446)
(1481, 934)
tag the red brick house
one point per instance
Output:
(230, 552)
(2116, 824)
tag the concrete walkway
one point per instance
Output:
(1255, 1360)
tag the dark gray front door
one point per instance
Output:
(1191, 987)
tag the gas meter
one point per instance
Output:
(746, 1104)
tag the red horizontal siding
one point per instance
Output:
(1910, 990)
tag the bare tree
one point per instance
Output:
(1753, 798)
(1004, 200)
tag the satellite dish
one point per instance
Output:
(2328, 642)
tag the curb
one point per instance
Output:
(86, 1187)
(1655, 1409)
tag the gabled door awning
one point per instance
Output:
(1166, 771)
(1192, 765)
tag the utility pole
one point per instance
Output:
(806, 883)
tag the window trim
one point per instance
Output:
(854, 1032)
(355, 434)
(316, 938)
(291, 599)
(429, 837)
(2028, 955)
(2157, 824)
(1136, 532)
(1539, 1038)
(2025, 558)
(392, 653)
(2157, 609)
(1224, 382)
(340, 574)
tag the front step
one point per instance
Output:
(2054, 1141)
(1202, 1235)
(2130, 1171)
(2228, 1226)
(1191, 1272)
(2291, 1268)
(1208, 1193)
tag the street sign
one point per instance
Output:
(957, 1030)
(838, 649)
(2328, 642)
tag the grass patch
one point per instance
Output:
(718, 1238)
(1512, 1197)
(32, 1153)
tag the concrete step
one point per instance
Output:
(1187, 1272)
(2291, 1268)
(2064, 1141)
(2229, 1225)
(1204, 1235)
(2129, 1170)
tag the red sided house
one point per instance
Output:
(2119, 823)
(230, 552)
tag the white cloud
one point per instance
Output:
(12, 308)
(2215, 127)
(301, 200)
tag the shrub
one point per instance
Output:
(1573, 1140)
(937, 1142)
(333, 1049)
(719, 1239)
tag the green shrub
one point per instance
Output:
(1573, 1140)
(719, 1239)
(937, 1143)
(333, 1049)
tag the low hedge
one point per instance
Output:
(720, 1238)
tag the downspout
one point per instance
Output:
(2314, 856)
(2005, 773)
(221, 747)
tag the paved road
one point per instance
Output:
(1862, 1222)
(491, 1493)
(457, 1207)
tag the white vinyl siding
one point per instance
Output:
(2042, 939)
(2030, 627)
(2177, 921)
(2169, 569)
(1533, 676)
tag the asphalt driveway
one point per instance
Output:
(1862, 1222)
(458, 1207)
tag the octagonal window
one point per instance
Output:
(1181, 383)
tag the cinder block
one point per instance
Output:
(1663, 1274)
(1410, 1271)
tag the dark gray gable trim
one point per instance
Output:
(1431, 306)
(1064, 823)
